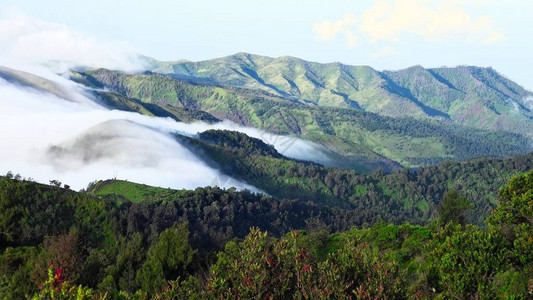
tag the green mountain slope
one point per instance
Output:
(201, 244)
(406, 196)
(472, 96)
(362, 140)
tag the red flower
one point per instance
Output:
(269, 261)
(58, 276)
(307, 268)
(417, 295)
(247, 280)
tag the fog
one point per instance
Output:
(528, 102)
(47, 137)
(53, 129)
(27, 40)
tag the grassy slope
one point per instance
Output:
(369, 139)
(478, 97)
(472, 96)
(135, 192)
(396, 197)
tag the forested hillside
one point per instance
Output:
(473, 96)
(163, 246)
(363, 141)
(401, 196)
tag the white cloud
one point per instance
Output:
(92, 142)
(387, 21)
(327, 30)
(528, 102)
(95, 142)
(24, 39)
(384, 51)
(351, 39)
(33, 122)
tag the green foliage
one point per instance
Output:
(239, 142)
(415, 194)
(515, 203)
(56, 288)
(148, 251)
(359, 140)
(167, 259)
(466, 261)
(473, 96)
(492, 263)
(130, 257)
(513, 218)
(257, 268)
(131, 191)
(453, 208)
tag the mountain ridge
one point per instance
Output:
(348, 132)
(449, 94)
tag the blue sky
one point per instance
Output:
(385, 34)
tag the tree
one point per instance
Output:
(465, 262)
(55, 183)
(167, 259)
(514, 217)
(453, 208)
(63, 252)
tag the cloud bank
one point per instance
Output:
(29, 41)
(48, 137)
(327, 30)
(388, 21)
(52, 129)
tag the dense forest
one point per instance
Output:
(57, 243)
(402, 196)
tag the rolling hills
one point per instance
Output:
(465, 95)
(401, 196)
(358, 139)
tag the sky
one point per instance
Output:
(384, 34)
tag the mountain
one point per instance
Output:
(357, 139)
(471, 96)
(353, 139)
(401, 196)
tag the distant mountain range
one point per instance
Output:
(465, 95)
(366, 119)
